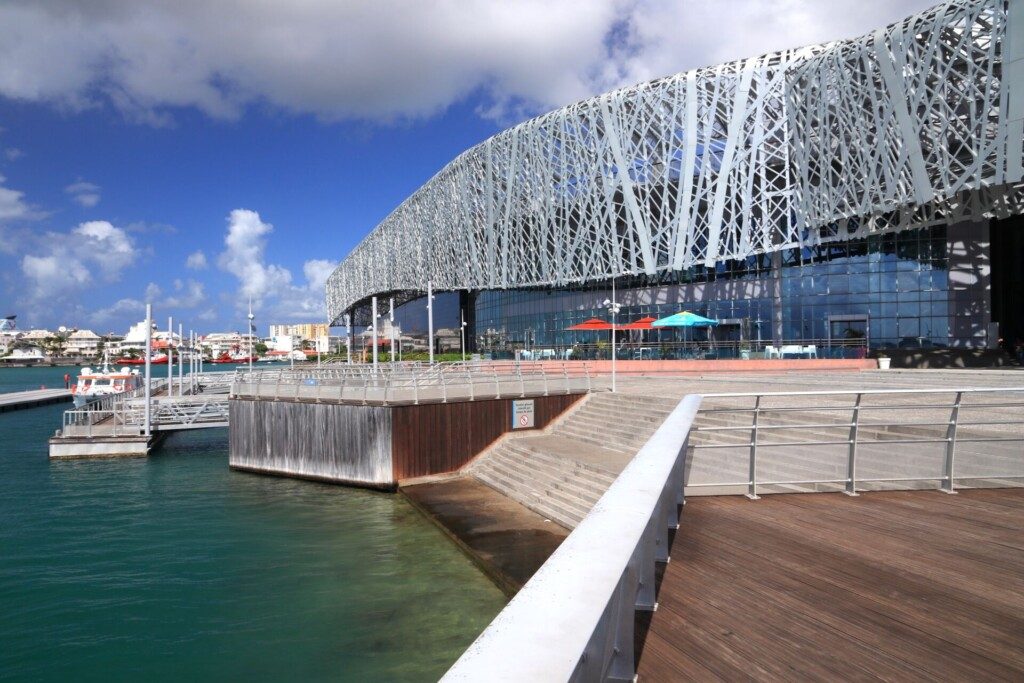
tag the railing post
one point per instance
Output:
(752, 485)
(954, 416)
(851, 467)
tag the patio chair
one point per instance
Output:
(772, 352)
(811, 351)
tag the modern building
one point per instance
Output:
(860, 194)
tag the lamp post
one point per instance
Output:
(373, 327)
(613, 306)
(462, 329)
(391, 330)
(430, 319)
(149, 354)
(251, 316)
(181, 360)
(170, 356)
(348, 337)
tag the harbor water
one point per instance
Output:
(174, 567)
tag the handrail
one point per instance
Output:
(574, 620)
(861, 423)
(414, 383)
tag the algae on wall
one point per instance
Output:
(345, 443)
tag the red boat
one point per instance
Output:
(158, 359)
(228, 358)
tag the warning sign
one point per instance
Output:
(522, 414)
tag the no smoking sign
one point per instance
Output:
(522, 414)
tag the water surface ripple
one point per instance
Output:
(174, 567)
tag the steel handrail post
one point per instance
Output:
(851, 467)
(522, 382)
(565, 376)
(752, 485)
(497, 383)
(954, 416)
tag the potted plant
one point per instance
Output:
(883, 361)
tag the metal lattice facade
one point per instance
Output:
(915, 123)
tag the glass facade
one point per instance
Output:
(885, 291)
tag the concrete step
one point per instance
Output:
(531, 481)
(571, 479)
(532, 447)
(620, 413)
(556, 515)
(629, 443)
(623, 425)
(582, 476)
(633, 400)
(531, 490)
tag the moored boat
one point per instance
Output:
(104, 381)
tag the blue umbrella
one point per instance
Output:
(684, 319)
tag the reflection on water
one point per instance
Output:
(175, 567)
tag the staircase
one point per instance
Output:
(562, 473)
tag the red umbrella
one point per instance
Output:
(592, 324)
(641, 324)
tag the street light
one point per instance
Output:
(430, 319)
(462, 316)
(613, 306)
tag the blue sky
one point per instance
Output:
(146, 149)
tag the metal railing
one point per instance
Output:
(413, 383)
(632, 346)
(574, 620)
(814, 440)
(124, 414)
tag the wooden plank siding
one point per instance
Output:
(910, 585)
(329, 442)
(442, 437)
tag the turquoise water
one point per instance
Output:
(173, 567)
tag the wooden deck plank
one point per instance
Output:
(895, 585)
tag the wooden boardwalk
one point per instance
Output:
(904, 586)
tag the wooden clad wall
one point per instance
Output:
(341, 443)
(442, 437)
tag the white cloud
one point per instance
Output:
(69, 261)
(245, 244)
(13, 205)
(13, 153)
(54, 275)
(153, 292)
(274, 295)
(196, 261)
(317, 271)
(123, 308)
(83, 193)
(190, 294)
(110, 249)
(391, 58)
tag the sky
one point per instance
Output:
(199, 154)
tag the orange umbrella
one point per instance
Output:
(595, 324)
(641, 324)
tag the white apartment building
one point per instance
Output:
(82, 343)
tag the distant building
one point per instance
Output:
(83, 343)
(304, 331)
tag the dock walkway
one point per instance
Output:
(893, 585)
(16, 400)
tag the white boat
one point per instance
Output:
(104, 381)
